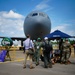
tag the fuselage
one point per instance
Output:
(37, 24)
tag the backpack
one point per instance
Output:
(47, 47)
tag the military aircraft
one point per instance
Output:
(37, 24)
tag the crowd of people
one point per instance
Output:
(37, 49)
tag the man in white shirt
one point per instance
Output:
(28, 44)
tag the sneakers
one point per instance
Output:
(24, 67)
(50, 65)
(31, 67)
(37, 64)
(46, 67)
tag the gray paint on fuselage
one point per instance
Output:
(37, 24)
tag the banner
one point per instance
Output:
(6, 42)
(2, 55)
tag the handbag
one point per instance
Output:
(31, 51)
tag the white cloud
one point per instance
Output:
(11, 14)
(66, 28)
(11, 26)
(43, 6)
(2, 31)
(12, 32)
(72, 21)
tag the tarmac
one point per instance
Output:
(15, 67)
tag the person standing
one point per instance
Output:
(66, 52)
(47, 48)
(37, 51)
(28, 44)
(7, 53)
(61, 48)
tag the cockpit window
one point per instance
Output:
(41, 14)
(34, 14)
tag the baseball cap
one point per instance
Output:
(45, 38)
(38, 38)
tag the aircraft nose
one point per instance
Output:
(39, 20)
(39, 28)
(38, 25)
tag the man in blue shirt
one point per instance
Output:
(28, 44)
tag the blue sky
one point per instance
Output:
(13, 13)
